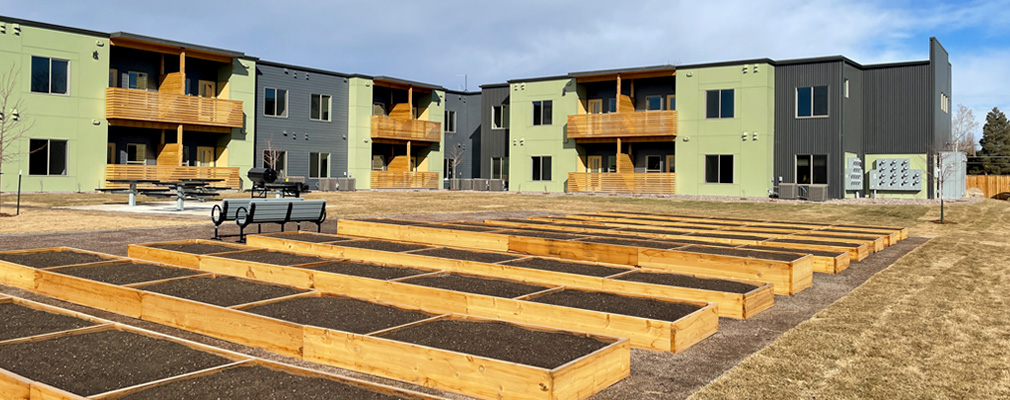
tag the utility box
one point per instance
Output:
(854, 174)
(952, 174)
(894, 174)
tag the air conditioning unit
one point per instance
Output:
(466, 184)
(327, 184)
(496, 185)
(788, 191)
(817, 193)
(346, 184)
(480, 185)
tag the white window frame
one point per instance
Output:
(286, 102)
(49, 91)
(124, 80)
(66, 156)
(328, 108)
(502, 163)
(320, 172)
(827, 108)
(450, 121)
(499, 110)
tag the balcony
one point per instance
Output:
(630, 183)
(405, 129)
(139, 105)
(404, 180)
(646, 124)
(172, 173)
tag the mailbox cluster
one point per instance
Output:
(894, 174)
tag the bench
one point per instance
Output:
(228, 208)
(280, 212)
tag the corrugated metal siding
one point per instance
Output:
(467, 135)
(897, 118)
(809, 135)
(852, 111)
(493, 142)
(303, 135)
(939, 61)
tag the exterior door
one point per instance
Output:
(208, 89)
(596, 106)
(204, 156)
(671, 163)
(595, 164)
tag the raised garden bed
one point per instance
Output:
(259, 382)
(738, 252)
(220, 290)
(467, 255)
(310, 237)
(857, 252)
(829, 262)
(368, 270)
(549, 264)
(500, 341)
(464, 227)
(339, 313)
(634, 243)
(539, 233)
(383, 245)
(403, 222)
(273, 257)
(19, 321)
(472, 284)
(660, 278)
(51, 258)
(641, 307)
(197, 247)
(91, 363)
(729, 236)
(125, 272)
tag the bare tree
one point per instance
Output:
(963, 128)
(13, 126)
(274, 159)
(456, 156)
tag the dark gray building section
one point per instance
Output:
(465, 142)
(297, 134)
(940, 71)
(494, 143)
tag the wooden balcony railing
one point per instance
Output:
(172, 173)
(405, 129)
(139, 105)
(404, 180)
(640, 183)
(623, 125)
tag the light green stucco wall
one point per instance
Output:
(359, 132)
(526, 140)
(78, 117)
(915, 161)
(436, 113)
(242, 87)
(697, 136)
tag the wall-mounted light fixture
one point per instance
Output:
(94, 54)
(743, 137)
(755, 137)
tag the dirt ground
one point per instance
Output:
(932, 325)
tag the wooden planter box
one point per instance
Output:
(732, 305)
(672, 336)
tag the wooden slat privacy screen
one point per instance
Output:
(405, 129)
(404, 180)
(140, 105)
(172, 173)
(627, 125)
(642, 183)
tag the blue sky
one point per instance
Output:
(440, 41)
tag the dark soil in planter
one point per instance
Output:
(126, 272)
(366, 270)
(382, 245)
(856, 231)
(48, 259)
(500, 341)
(469, 284)
(339, 313)
(463, 227)
(274, 257)
(467, 255)
(98, 362)
(196, 248)
(615, 304)
(221, 291)
(729, 236)
(258, 383)
(815, 242)
(308, 237)
(843, 237)
(17, 321)
(737, 252)
(539, 233)
(820, 253)
(634, 243)
(649, 230)
(687, 281)
(567, 267)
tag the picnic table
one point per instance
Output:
(198, 189)
(133, 191)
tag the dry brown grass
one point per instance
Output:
(933, 325)
(36, 220)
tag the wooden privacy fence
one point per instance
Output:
(172, 108)
(990, 185)
(404, 180)
(172, 173)
(626, 125)
(405, 129)
(638, 183)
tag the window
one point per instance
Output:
(275, 102)
(319, 109)
(541, 168)
(47, 157)
(136, 153)
(50, 75)
(653, 164)
(595, 106)
(812, 169)
(719, 103)
(500, 168)
(543, 112)
(612, 105)
(319, 165)
(499, 117)
(671, 102)
(846, 88)
(450, 121)
(110, 154)
(944, 103)
(671, 163)
(653, 103)
(134, 80)
(449, 168)
(719, 168)
(611, 164)
(276, 160)
(113, 78)
(812, 102)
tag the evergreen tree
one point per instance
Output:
(996, 143)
